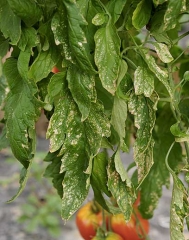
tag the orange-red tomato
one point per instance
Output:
(110, 236)
(136, 229)
(88, 219)
(55, 70)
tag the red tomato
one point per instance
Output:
(88, 219)
(55, 70)
(136, 229)
(110, 236)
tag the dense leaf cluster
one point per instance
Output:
(123, 83)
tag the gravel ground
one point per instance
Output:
(11, 229)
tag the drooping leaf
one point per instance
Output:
(28, 39)
(141, 14)
(107, 56)
(99, 177)
(151, 188)
(143, 81)
(45, 61)
(81, 85)
(53, 171)
(28, 11)
(122, 191)
(180, 136)
(21, 111)
(10, 24)
(143, 110)
(161, 74)
(118, 117)
(115, 8)
(171, 14)
(163, 52)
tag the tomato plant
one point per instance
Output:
(123, 85)
(109, 236)
(88, 219)
(136, 229)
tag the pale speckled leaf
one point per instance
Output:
(151, 188)
(161, 74)
(141, 14)
(76, 37)
(143, 81)
(81, 85)
(57, 94)
(179, 204)
(143, 110)
(99, 19)
(118, 117)
(45, 61)
(122, 191)
(163, 52)
(10, 24)
(21, 110)
(171, 15)
(82, 141)
(107, 56)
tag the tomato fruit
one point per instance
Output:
(110, 236)
(88, 219)
(136, 229)
(55, 70)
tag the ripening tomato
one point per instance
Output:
(136, 229)
(110, 236)
(88, 219)
(55, 70)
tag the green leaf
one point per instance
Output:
(57, 93)
(142, 14)
(143, 81)
(171, 14)
(159, 2)
(81, 85)
(4, 46)
(10, 24)
(115, 8)
(107, 56)
(151, 188)
(122, 191)
(23, 180)
(99, 177)
(28, 39)
(143, 110)
(161, 74)
(99, 19)
(179, 204)
(53, 171)
(163, 52)
(118, 117)
(4, 143)
(3, 86)
(45, 61)
(180, 135)
(21, 110)
(28, 11)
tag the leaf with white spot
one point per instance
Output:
(143, 81)
(151, 188)
(172, 13)
(121, 189)
(163, 52)
(81, 85)
(21, 111)
(161, 74)
(107, 56)
(143, 110)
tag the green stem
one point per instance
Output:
(131, 62)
